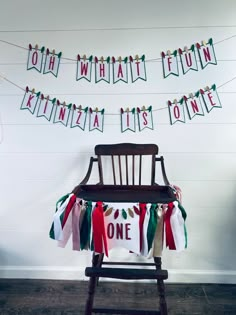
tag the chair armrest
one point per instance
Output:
(161, 159)
(87, 176)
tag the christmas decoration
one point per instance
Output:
(193, 105)
(145, 118)
(96, 119)
(35, 58)
(79, 116)
(137, 68)
(206, 53)
(30, 100)
(102, 69)
(176, 111)
(170, 63)
(52, 62)
(210, 98)
(46, 106)
(84, 68)
(188, 59)
(62, 113)
(127, 119)
(120, 70)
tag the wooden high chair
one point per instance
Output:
(127, 161)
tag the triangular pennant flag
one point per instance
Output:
(52, 62)
(102, 69)
(35, 58)
(84, 68)
(188, 59)
(30, 100)
(62, 113)
(120, 72)
(138, 68)
(176, 111)
(170, 63)
(79, 116)
(127, 119)
(210, 98)
(145, 118)
(194, 105)
(45, 107)
(206, 53)
(96, 119)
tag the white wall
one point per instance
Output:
(40, 161)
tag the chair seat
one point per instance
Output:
(124, 273)
(127, 193)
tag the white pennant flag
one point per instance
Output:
(176, 111)
(145, 118)
(84, 68)
(96, 119)
(30, 100)
(194, 105)
(210, 98)
(62, 113)
(45, 107)
(35, 58)
(206, 53)
(170, 63)
(137, 68)
(188, 59)
(127, 120)
(79, 116)
(120, 72)
(102, 70)
(52, 62)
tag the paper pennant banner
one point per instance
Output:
(137, 68)
(30, 100)
(170, 63)
(120, 70)
(210, 98)
(84, 68)
(62, 113)
(79, 116)
(194, 105)
(102, 69)
(188, 59)
(96, 119)
(52, 62)
(145, 118)
(206, 53)
(122, 227)
(45, 107)
(35, 58)
(176, 111)
(127, 119)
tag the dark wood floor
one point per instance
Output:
(50, 297)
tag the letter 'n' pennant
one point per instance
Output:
(176, 111)
(96, 119)
(145, 118)
(52, 62)
(62, 113)
(79, 116)
(30, 100)
(206, 53)
(193, 105)
(170, 63)
(84, 68)
(120, 72)
(210, 98)
(127, 119)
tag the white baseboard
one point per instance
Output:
(73, 273)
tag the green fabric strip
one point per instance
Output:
(152, 225)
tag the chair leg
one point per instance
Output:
(96, 262)
(161, 289)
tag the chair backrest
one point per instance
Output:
(127, 162)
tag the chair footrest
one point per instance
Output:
(125, 311)
(124, 273)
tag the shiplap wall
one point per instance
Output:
(40, 161)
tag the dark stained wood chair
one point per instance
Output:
(129, 163)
